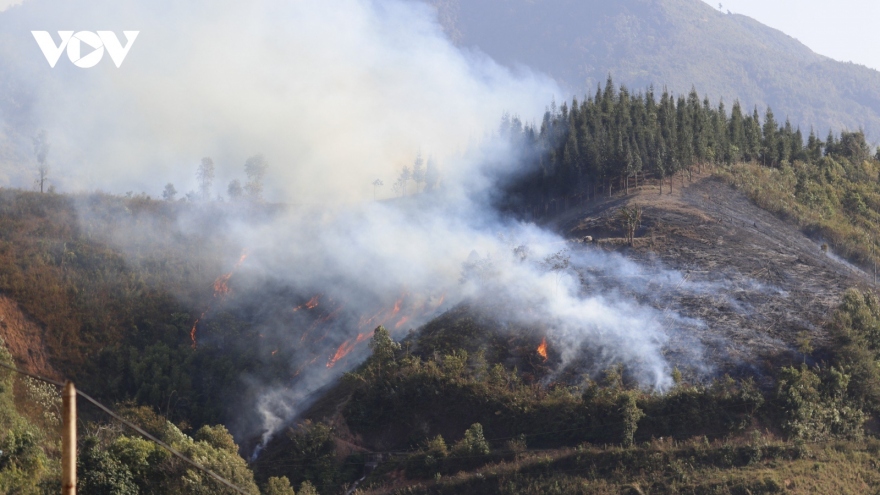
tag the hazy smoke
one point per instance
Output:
(336, 95)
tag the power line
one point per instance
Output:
(134, 427)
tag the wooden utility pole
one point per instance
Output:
(68, 440)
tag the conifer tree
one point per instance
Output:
(737, 133)
(768, 145)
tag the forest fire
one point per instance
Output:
(221, 290)
(542, 349)
(310, 304)
(192, 333)
(396, 307)
(348, 346)
(221, 285)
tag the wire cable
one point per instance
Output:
(136, 428)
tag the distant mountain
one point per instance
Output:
(672, 43)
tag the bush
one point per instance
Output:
(473, 444)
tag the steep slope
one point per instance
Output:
(754, 288)
(761, 281)
(672, 43)
(24, 339)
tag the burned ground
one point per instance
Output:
(756, 282)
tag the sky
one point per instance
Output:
(844, 30)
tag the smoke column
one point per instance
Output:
(335, 95)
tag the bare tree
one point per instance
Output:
(631, 218)
(235, 190)
(169, 193)
(405, 176)
(41, 150)
(205, 176)
(558, 262)
(255, 169)
(418, 171)
(376, 183)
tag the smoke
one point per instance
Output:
(335, 95)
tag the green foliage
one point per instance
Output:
(223, 462)
(144, 459)
(23, 462)
(101, 473)
(218, 437)
(422, 399)
(630, 414)
(473, 444)
(278, 485)
(8, 414)
(814, 406)
(855, 330)
(307, 488)
(311, 450)
(608, 141)
(384, 350)
(116, 463)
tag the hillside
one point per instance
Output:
(675, 44)
(759, 286)
(753, 287)
(761, 281)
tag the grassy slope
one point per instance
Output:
(833, 200)
(759, 466)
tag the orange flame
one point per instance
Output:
(221, 290)
(310, 304)
(347, 347)
(192, 333)
(542, 349)
(401, 322)
(343, 351)
(221, 287)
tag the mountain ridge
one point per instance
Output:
(678, 44)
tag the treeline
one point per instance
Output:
(616, 138)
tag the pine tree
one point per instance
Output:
(768, 145)
(700, 127)
(685, 141)
(814, 147)
(737, 133)
(418, 171)
(721, 135)
(830, 144)
(753, 136)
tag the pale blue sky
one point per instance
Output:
(846, 30)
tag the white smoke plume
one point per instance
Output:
(335, 95)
